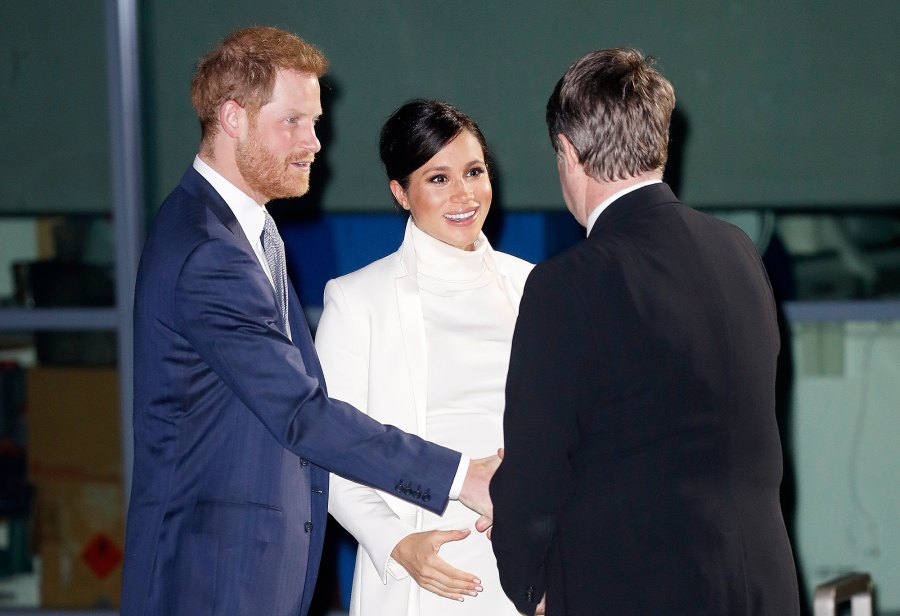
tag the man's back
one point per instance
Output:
(657, 343)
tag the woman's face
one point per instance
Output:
(450, 195)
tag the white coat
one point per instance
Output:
(371, 342)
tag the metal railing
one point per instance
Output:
(853, 587)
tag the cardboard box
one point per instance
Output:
(80, 529)
(75, 463)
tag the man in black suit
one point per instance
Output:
(642, 457)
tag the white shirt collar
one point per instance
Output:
(592, 218)
(250, 214)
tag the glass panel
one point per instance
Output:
(56, 262)
(61, 519)
(826, 254)
(843, 256)
(55, 114)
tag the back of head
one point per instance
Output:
(614, 108)
(417, 131)
(243, 68)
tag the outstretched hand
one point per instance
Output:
(485, 522)
(418, 553)
(474, 493)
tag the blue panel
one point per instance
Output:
(331, 245)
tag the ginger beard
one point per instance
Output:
(266, 174)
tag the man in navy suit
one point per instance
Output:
(640, 397)
(234, 431)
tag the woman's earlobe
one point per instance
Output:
(399, 194)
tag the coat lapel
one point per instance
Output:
(412, 327)
(513, 294)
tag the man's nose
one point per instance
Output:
(310, 141)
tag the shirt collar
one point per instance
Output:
(250, 214)
(606, 203)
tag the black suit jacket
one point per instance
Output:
(642, 454)
(234, 431)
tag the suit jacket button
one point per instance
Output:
(304, 462)
(426, 497)
(308, 527)
(399, 487)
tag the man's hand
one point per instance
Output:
(542, 606)
(485, 522)
(474, 493)
(418, 553)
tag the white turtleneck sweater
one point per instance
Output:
(469, 324)
(468, 330)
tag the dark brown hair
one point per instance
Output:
(417, 131)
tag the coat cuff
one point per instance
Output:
(379, 549)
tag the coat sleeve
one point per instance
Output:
(543, 394)
(358, 508)
(224, 306)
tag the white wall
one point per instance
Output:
(847, 446)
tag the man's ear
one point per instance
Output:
(399, 194)
(231, 116)
(568, 152)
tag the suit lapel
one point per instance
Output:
(196, 184)
(302, 338)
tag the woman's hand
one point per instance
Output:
(418, 553)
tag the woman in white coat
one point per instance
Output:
(420, 339)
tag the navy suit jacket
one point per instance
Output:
(234, 430)
(642, 453)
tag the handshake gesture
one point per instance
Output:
(475, 494)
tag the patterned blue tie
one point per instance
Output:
(273, 248)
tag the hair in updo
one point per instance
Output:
(417, 131)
